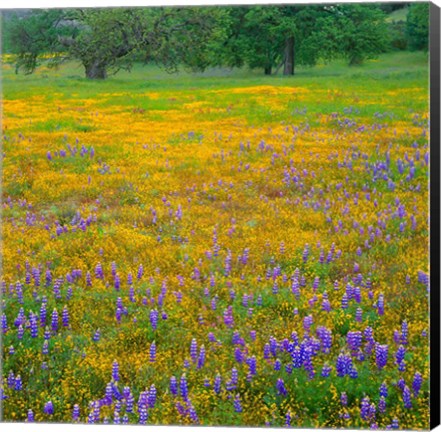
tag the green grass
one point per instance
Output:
(149, 92)
(398, 69)
(398, 15)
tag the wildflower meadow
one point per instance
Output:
(221, 248)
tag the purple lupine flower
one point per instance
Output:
(76, 413)
(54, 321)
(20, 332)
(416, 383)
(173, 386)
(343, 365)
(201, 358)
(238, 355)
(400, 354)
(344, 399)
(228, 261)
(151, 400)
(295, 288)
(217, 384)
(116, 417)
(43, 314)
(140, 272)
(99, 271)
(30, 416)
(193, 414)
(117, 283)
(297, 357)
(344, 302)
(372, 411)
(326, 371)
(273, 346)
(18, 385)
(404, 333)
(11, 379)
(353, 373)
(45, 349)
(259, 300)
(305, 253)
(97, 336)
(21, 318)
(4, 324)
(381, 353)
(281, 389)
(154, 314)
(288, 419)
(33, 325)
(108, 395)
(382, 405)
(142, 400)
(65, 317)
(194, 350)
(118, 314)
(370, 341)
(36, 276)
(184, 387)
(252, 364)
(359, 315)
(115, 371)
(407, 397)
(354, 340)
(228, 317)
(143, 415)
(48, 408)
(234, 375)
(237, 404)
(277, 365)
(380, 305)
(307, 323)
(365, 408)
(19, 291)
(88, 279)
(153, 352)
(357, 294)
(307, 362)
(383, 390)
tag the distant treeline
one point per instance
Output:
(272, 38)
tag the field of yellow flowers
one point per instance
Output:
(217, 250)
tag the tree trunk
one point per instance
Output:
(289, 56)
(268, 70)
(355, 60)
(95, 70)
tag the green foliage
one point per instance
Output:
(418, 26)
(397, 35)
(259, 37)
(33, 36)
(106, 40)
(359, 32)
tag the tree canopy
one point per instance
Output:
(266, 37)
